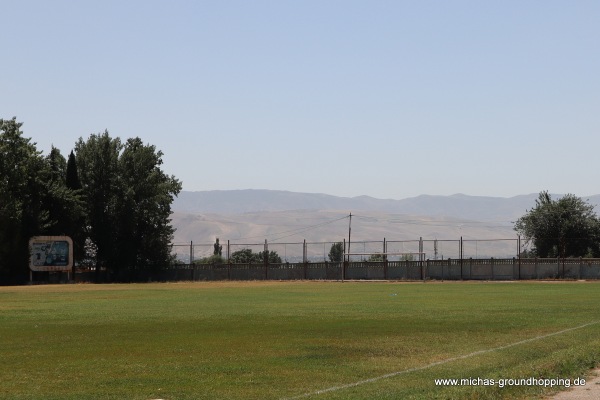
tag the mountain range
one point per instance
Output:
(479, 208)
(253, 216)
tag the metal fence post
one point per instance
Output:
(519, 254)
(461, 254)
(266, 260)
(385, 260)
(304, 259)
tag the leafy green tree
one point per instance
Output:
(58, 165)
(272, 257)
(22, 170)
(33, 198)
(145, 208)
(97, 164)
(128, 200)
(567, 227)
(375, 258)
(215, 259)
(336, 252)
(246, 256)
(407, 257)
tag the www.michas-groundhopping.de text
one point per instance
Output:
(545, 382)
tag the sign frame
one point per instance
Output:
(50, 253)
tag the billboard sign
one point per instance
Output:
(51, 253)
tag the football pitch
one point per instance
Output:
(297, 340)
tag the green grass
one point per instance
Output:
(278, 340)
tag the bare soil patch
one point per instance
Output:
(591, 390)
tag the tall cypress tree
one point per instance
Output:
(72, 178)
(77, 224)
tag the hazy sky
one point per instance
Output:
(390, 99)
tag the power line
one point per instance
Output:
(484, 224)
(293, 232)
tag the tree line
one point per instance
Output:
(110, 196)
(114, 200)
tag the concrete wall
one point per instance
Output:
(450, 269)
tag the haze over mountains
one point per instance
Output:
(251, 216)
(479, 208)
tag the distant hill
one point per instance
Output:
(479, 208)
(285, 219)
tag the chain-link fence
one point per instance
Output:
(396, 250)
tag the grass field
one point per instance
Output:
(288, 340)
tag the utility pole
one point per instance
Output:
(349, 233)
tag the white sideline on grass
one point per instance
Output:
(415, 369)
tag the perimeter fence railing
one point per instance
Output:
(306, 251)
(409, 270)
(420, 259)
